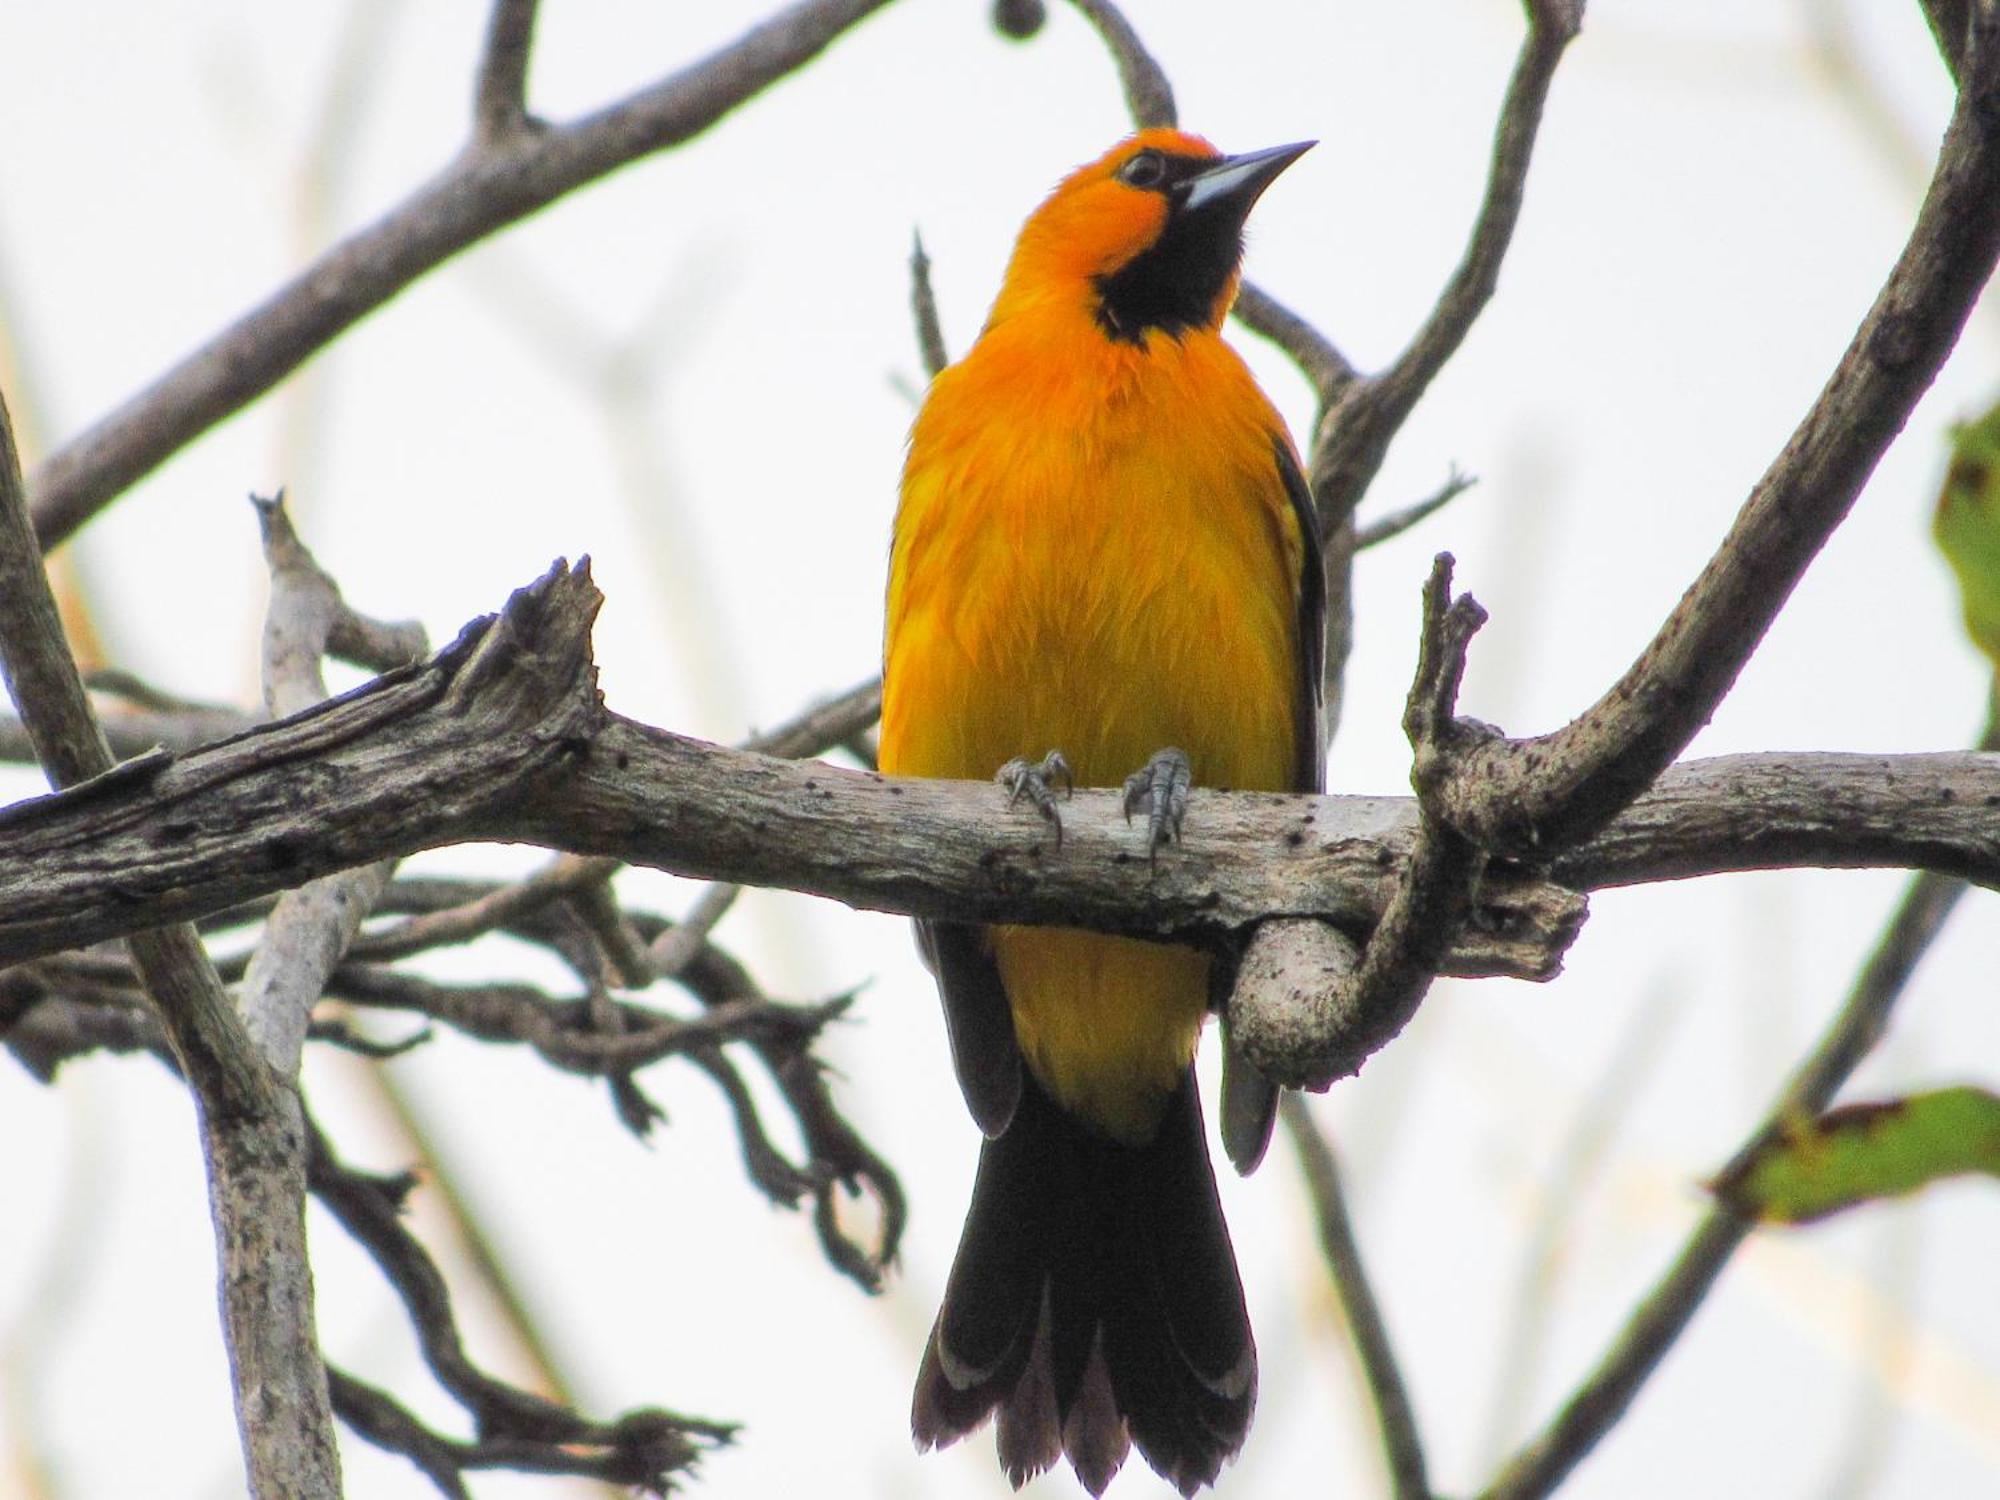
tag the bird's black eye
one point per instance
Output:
(1146, 170)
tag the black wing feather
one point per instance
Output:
(977, 1019)
(1249, 1099)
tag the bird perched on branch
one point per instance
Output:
(1105, 549)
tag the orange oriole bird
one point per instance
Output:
(1104, 546)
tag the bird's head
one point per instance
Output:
(1150, 235)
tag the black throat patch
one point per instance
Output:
(1174, 285)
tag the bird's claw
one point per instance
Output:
(1161, 788)
(1037, 784)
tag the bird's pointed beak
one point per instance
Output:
(1238, 180)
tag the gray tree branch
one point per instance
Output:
(1395, 1414)
(249, 1115)
(1534, 798)
(311, 927)
(500, 88)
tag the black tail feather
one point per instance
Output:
(1028, 1432)
(1094, 1303)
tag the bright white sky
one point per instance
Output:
(1709, 215)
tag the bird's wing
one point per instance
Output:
(1309, 720)
(976, 1018)
(1249, 1099)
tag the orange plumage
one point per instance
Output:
(1103, 546)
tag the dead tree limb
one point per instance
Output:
(502, 736)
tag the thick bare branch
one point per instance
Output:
(496, 182)
(1537, 797)
(501, 736)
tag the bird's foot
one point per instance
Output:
(1160, 787)
(1037, 784)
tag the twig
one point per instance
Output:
(130, 733)
(559, 1030)
(674, 949)
(837, 1158)
(766, 1166)
(494, 183)
(312, 926)
(336, 1032)
(1951, 23)
(1395, 1417)
(597, 908)
(924, 310)
(46, 1030)
(1383, 528)
(500, 93)
(497, 908)
(1561, 1185)
(517, 1429)
(1325, 368)
(135, 691)
(822, 726)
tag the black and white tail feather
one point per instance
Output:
(1094, 1304)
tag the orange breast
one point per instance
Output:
(1095, 553)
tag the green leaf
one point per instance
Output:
(1861, 1152)
(1967, 526)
